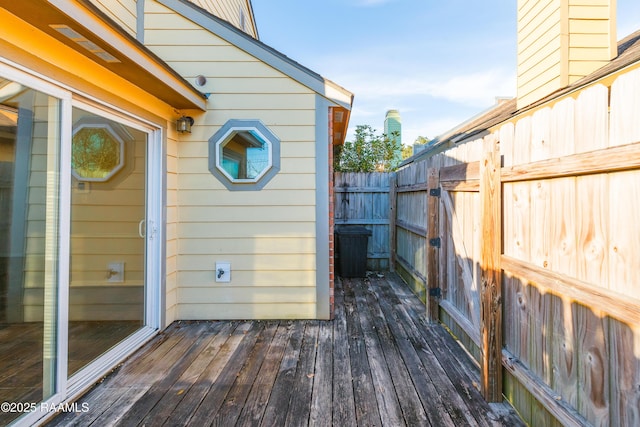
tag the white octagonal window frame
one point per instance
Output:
(261, 139)
(116, 168)
(257, 132)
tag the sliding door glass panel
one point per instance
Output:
(108, 235)
(29, 211)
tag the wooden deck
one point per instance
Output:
(377, 364)
(21, 355)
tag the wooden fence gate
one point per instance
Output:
(567, 339)
(464, 256)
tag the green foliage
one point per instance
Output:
(421, 140)
(407, 151)
(94, 153)
(369, 152)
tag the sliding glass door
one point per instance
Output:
(108, 235)
(29, 245)
(80, 200)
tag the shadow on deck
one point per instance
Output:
(377, 363)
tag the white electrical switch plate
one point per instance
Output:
(223, 272)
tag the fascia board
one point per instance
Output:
(130, 49)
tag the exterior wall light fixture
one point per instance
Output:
(184, 123)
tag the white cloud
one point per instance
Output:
(473, 89)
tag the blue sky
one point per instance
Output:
(437, 62)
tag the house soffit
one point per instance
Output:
(340, 121)
(124, 55)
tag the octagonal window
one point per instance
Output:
(97, 152)
(244, 154)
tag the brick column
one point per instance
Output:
(331, 218)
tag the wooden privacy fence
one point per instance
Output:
(525, 243)
(363, 199)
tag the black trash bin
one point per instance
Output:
(352, 251)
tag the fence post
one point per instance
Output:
(393, 197)
(433, 244)
(491, 281)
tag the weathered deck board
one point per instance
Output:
(21, 351)
(321, 397)
(343, 402)
(301, 398)
(432, 356)
(378, 363)
(232, 381)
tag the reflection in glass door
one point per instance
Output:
(29, 242)
(108, 235)
(78, 187)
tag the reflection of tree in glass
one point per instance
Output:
(94, 153)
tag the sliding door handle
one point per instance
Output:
(141, 229)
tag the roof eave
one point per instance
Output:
(135, 62)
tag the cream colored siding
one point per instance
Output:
(540, 47)
(592, 43)
(121, 11)
(268, 236)
(171, 287)
(561, 41)
(236, 12)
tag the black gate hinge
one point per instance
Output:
(435, 292)
(435, 242)
(435, 192)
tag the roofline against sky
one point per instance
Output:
(262, 51)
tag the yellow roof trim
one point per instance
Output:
(119, 52)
